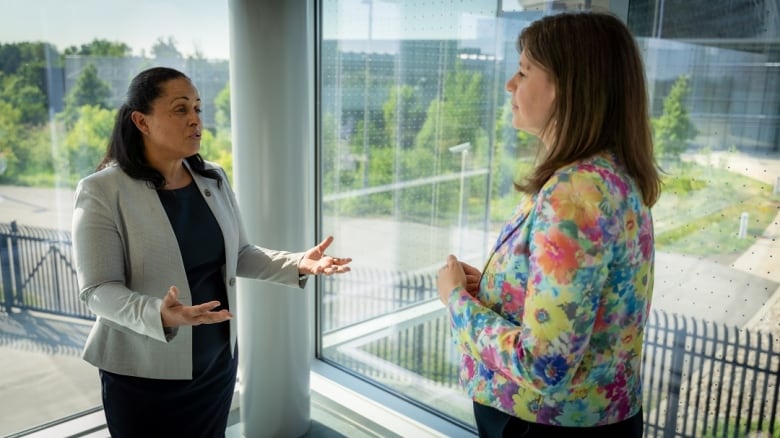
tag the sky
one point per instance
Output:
(202, 25)
(195, 24)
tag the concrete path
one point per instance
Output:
(762, 259)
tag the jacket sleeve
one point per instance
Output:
(98, 248)
(262, 263)
(568, 255)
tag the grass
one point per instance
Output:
(729, 427)
(700, 209)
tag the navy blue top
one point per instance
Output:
(203, 252)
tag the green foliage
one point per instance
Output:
(515, 153)
(417, 203)
(222, 108)
(372, 137)
(673, 128)
(163, 49)
(11, 57)
(28, 63)
(330, 153)
(85, 143)
(217, 149)
(725, 427)
(514, 157)
(89, 90)
(699, 211)
(24, 96)
(403, 116)
(10, 133)
(683, 185)
(456, 116)
(35, 56)
(100, 48)
(35, 148)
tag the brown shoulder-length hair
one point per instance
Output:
(601, 99)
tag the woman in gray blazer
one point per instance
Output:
(158, 243)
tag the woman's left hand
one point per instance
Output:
(451, 275)
(315, 261)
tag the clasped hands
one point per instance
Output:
(456, 273)
(313, 262)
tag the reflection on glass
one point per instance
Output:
(60, 86)
(402, 82)
(400, 91)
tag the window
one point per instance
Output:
(64, 69)
(418, 162)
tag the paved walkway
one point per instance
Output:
(43, 376)
(763, 261)
(763, 258)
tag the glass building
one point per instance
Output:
(384, 123)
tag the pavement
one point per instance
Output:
(762, 260)
(44, 378)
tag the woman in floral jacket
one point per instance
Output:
(551, 332)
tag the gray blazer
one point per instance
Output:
(127, 257)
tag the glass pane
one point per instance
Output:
(714, 80)
(418, 160)
(64, 69)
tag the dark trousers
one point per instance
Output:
(137, 407)
(492, 423)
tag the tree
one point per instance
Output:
(10, 133)
(222, 108)
(27, 98)
(85, 143)
(30, 62)
(36, 56)
(454, 117)
(673, 128)
(89, 90)
(403, 116)
(100, 48)
(10, 58)
(217, 149)
(166, 49)
(515, 151)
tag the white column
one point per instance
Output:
(272, 115)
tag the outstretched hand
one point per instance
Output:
(175, 314)
(315, 261)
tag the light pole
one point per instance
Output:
(463, 149)
(367, 66)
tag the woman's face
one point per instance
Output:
(171, 131)
(532, 96)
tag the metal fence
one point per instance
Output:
(700, 379)
(37, 271)
(705, 379)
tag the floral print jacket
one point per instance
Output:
(554, 335)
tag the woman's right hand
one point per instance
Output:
(175, 314)
(473, 275)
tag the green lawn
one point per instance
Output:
(700, 208)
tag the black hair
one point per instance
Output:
(126, 148)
